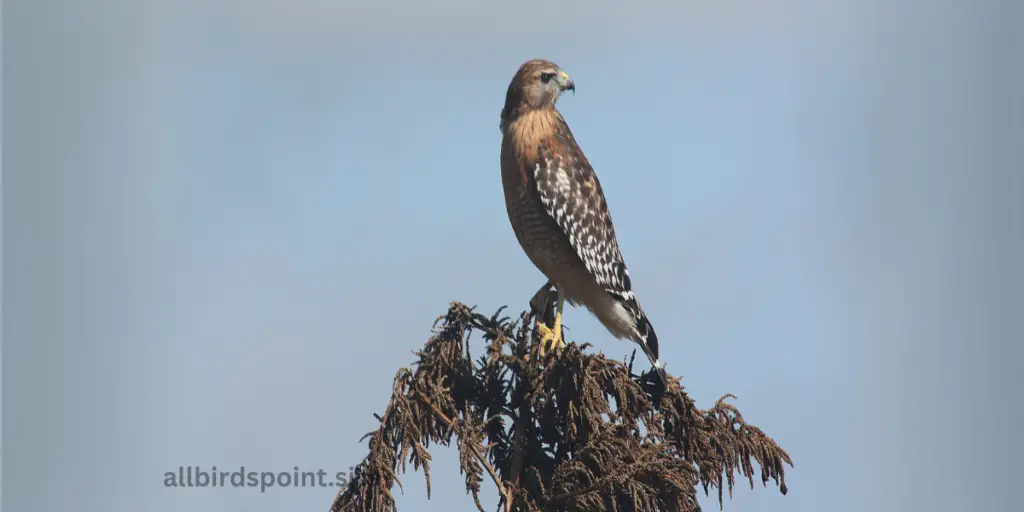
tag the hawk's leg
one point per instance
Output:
(543, 303)
(549, 336)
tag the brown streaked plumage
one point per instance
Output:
(558, 210)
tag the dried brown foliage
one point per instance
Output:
(574, 431)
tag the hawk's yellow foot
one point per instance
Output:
(549, 336)
(552, 337)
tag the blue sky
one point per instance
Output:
(227, 225)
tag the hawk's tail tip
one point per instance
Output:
(659, 368)
(648, 341)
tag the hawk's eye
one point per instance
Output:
(546, 77)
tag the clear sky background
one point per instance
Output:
(227, 224)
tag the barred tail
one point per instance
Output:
(648, 340)
(644, 331)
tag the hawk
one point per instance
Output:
(559, 213)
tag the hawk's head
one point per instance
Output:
(537, 84)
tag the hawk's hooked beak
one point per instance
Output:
(565, 82)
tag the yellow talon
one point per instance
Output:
(552, 336)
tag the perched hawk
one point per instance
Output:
(559, 213)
